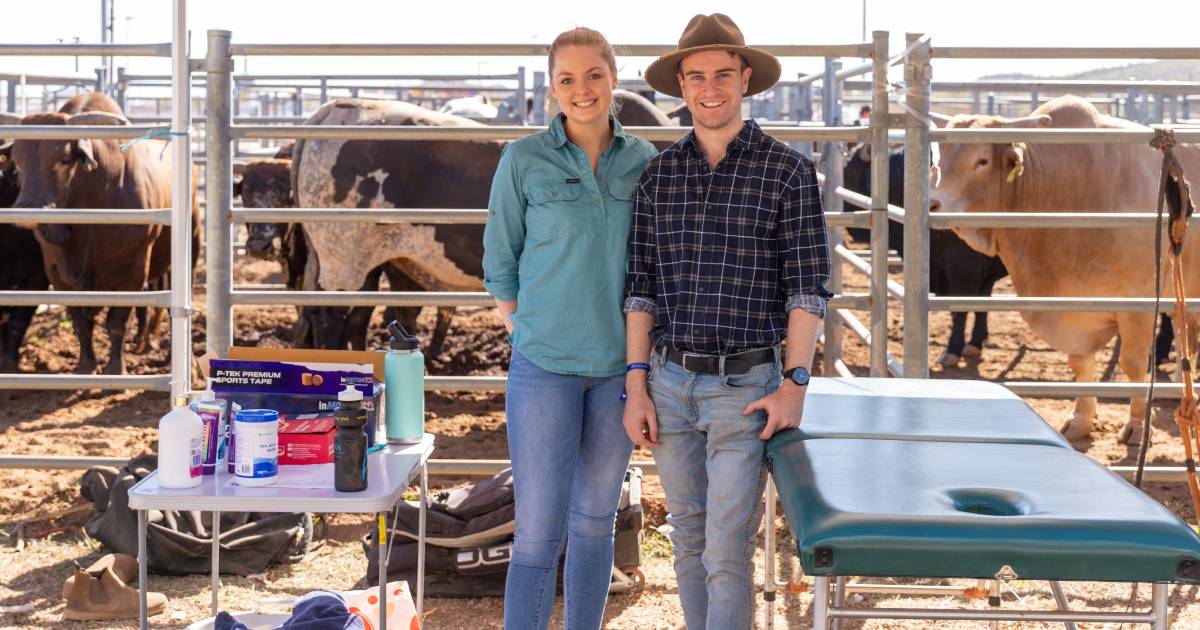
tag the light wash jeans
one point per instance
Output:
(569, 454)
(711, 461)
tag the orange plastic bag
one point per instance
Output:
(401, 612)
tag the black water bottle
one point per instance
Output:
(350, 443)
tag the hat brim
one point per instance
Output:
(765, 68)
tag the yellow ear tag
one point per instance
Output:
(1012, 175)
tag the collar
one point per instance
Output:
(556, 133)
(747, 138)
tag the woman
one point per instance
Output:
(554, 259)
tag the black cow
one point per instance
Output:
(20, 263)
(954, 268)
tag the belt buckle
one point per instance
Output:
(684, 361)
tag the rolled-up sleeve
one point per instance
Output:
(504, 234)
(640, 270)
(803, 247)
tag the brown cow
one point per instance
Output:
(1076, 262)
(98, 174)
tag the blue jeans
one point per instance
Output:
(711, 460)
(569, 454)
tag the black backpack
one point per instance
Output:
(469, 535)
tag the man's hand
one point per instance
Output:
(641, 423)
(784, 407)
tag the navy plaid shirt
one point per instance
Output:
(720, 256)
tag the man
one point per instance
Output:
(727, 256)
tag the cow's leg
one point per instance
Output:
(399, 281)
(19, 320)
(1080, 424)
(1136, 332)
(979, 333)
(82, 322)
(445, 315)
(116, 323)
(954, 346)
(1164, 340)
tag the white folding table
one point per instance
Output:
(390, 471)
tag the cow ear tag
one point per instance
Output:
(1012, 175)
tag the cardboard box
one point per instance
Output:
(297, 381)
(306, 439)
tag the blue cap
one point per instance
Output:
(257, 415)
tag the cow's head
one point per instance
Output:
(977, 177)
(49, 169)
(265, 184)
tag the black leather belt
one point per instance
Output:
(739, 363)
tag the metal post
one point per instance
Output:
(917, 75)
(143, 561)
(1184, 109)
(181, 198)
(538, 115)
(1144, 109)
(831, 165)
(11, 102)
(101, 83)
(121, 86)
(974, 101)
(298, 101)
(820, 603)
(1158, 109)
(218, 259)
(991, 104)
(1033, 97)
(216, 562)
(522, 105)
(324, 90)
(879, 200)
(839, 599)
(769, 554)
(1159, 608)
(1061, 599)
(422, 516)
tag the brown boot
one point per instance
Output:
(103, 591)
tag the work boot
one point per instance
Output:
(103, 591)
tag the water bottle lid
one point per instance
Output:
(350, 394)
(401, 340)
(257, 415)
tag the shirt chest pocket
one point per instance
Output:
(553, 210)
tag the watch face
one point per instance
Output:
(800, 376)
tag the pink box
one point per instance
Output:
(306, 439)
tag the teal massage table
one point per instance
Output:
(961, 479)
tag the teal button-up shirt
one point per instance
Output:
(556, 242)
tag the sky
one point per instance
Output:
(948, 22)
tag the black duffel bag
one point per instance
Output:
(469, 532)
(180, 542)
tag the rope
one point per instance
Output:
(1175, 194)
(157, 134)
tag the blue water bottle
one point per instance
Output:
(404, 381)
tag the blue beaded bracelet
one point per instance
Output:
(637, 366)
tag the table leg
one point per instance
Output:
(1158, 606)
(839, 599)
(1061, 599)
(421, 539)
(383, 570)
(216, 558)
(821, 603)
(142, 561)
(769, 555)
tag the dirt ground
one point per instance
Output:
(122, 424)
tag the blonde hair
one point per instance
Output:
(583, 36)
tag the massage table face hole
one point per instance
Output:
(988, 501)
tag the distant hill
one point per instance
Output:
(1151, 71)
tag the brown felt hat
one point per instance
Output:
(713, 32)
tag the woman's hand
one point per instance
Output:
(507, 308)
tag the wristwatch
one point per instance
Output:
(797, 375)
